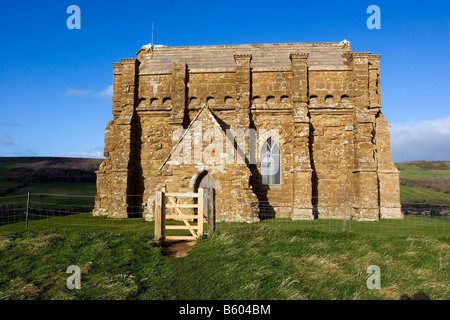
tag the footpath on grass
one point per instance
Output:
(177, 248)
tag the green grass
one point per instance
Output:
(413, 170)
(433, 226)
(81, 221)
(410, 226)
(67, 188)
(60, 188)
(417, 194)
(6, 167)
(55, 193)
(268, 260)
(85, 221)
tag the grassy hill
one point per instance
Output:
(58, 186)
(47, 175)
(274, 259)
(240, 261)
(425, 181)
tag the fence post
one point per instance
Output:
(160, 213)
(28, 207)
(345, 214)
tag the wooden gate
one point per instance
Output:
(193, 221)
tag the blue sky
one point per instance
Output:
(55, 83)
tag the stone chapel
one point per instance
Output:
(293, 130)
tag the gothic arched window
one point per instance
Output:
(271, 163)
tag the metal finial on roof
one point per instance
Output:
(153, 31)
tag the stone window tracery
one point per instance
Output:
(271, 163)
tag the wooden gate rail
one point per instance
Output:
(161, 216)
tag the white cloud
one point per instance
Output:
(105, 93)
(11, 124)
(77, 92)
(91, 153)
(25, 153)
(6, 140)
(425, 140)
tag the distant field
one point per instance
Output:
(68, 188)
(424, 169)
(425, 181)
(69, 176)
(423, 195)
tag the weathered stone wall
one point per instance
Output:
(235, 200)
(117, 173)
(322, 100)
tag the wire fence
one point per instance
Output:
(59, 211)
(336, 216)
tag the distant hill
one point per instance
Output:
(18, 174)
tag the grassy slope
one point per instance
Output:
(423, 171)
(241, 261)
(269, 260)
(422, 195)
(414, 170)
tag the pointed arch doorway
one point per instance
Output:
(206, 181)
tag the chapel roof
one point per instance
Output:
(155, 59)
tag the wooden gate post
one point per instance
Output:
(202, 206)
(211, 211)
(160, 212)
